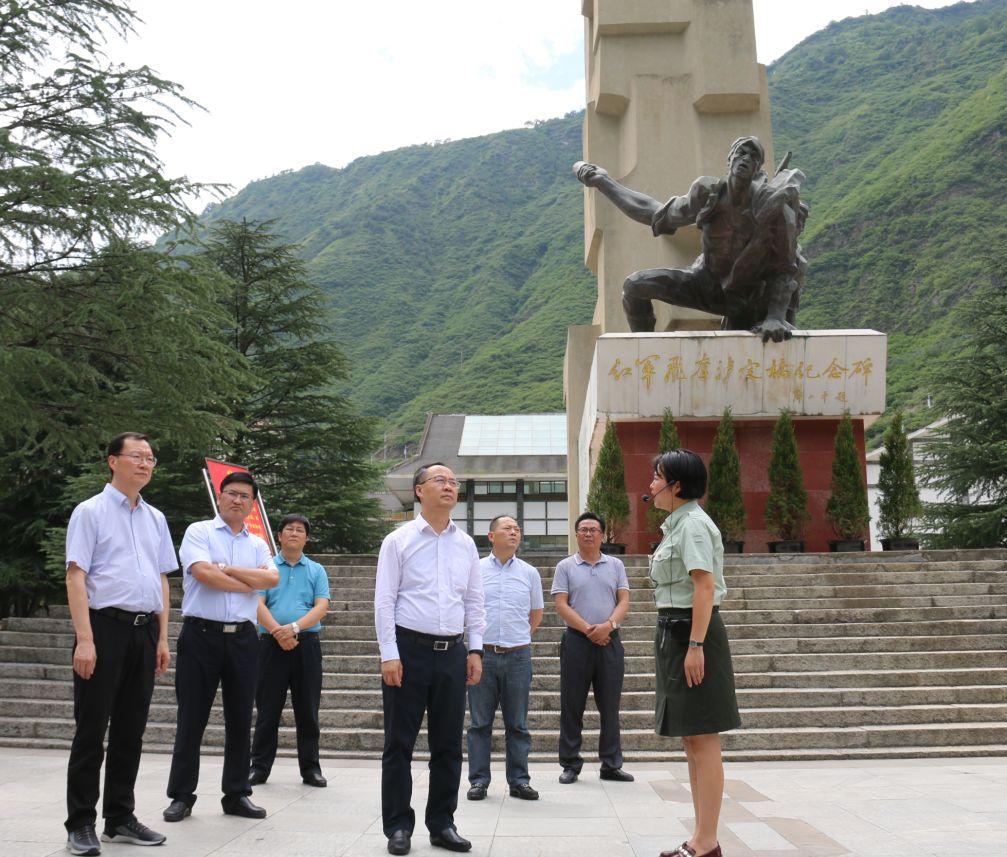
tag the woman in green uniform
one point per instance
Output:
(695, 679)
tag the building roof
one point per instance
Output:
(912, 437)
(480, 446)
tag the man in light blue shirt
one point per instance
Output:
(224, 568)
(118, 551)
(512, 590)
(290, 654)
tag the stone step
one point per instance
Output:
(672, 753)
(552, 633)
(370, 741)
(642, 681)
(633, 720)
(637, 700)
(638, 664)
(637, 647)
(639, 616)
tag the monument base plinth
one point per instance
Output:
(817, 376)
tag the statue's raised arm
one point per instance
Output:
(751, 270)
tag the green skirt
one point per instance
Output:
(711, 706)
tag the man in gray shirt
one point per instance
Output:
(591, 592)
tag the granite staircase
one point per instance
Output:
(836, 656)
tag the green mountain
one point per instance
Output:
(454, 269)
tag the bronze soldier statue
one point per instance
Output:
(751, 270)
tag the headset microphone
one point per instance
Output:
(647, 497)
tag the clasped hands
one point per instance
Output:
(600, 634)
(285, 637)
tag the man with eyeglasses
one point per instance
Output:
(224, 567)
(428, 592)
(514, 606)
(290, 654)
(591, 592)
(118, 551)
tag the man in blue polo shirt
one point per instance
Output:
(290, 654)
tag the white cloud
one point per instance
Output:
(290, 84)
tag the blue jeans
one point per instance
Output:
(506, 681)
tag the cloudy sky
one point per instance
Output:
(299, 82)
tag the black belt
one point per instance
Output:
(438, 644)
(679, 612)
(614, 633)
(127, 616)
(220, 627)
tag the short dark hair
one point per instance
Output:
(116, 444)
(294, 518)
(493, 523)
(684, 467)
(590, 516)
(242, 477)
(421, 473)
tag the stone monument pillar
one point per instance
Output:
(670, 84)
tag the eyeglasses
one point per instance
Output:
(442, 481)
(589, 531)
(138, 459)
(236, 495)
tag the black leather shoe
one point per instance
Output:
(256, 778)
(177, 810)
(449, 838)
(523, 791)
(568, 776)
(315, 779)
(398, 842)
(83, 841)
(477, 792)
(242, 806)
(616, 774)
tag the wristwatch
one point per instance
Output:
(615, 625)
(695, 644)
(221, 565)
(295, 628)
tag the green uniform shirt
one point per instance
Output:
(691, 541)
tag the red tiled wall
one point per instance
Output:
(815, 443)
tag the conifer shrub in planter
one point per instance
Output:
(666, 442)
(787, 503)
(724, 502)
(846, 509)
(898, 497)
(607, 495)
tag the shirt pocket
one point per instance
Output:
(459, 576)
(661, 564)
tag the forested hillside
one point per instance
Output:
(455, 269)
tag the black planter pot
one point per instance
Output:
(613, 548)
(733, 546)
(787, 546)
(904, 544)
(846, 545)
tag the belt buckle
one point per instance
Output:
(230, 629)
(140, 619)
(440, 645)
(499, 650)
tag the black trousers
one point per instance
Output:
(207, 659)
(300, 671)
(432, 682)
(584, 666)
(116, 698)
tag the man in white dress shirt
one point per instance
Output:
(118, 551)
(224, 568)
(428, 591)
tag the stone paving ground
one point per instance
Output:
(806, 809)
